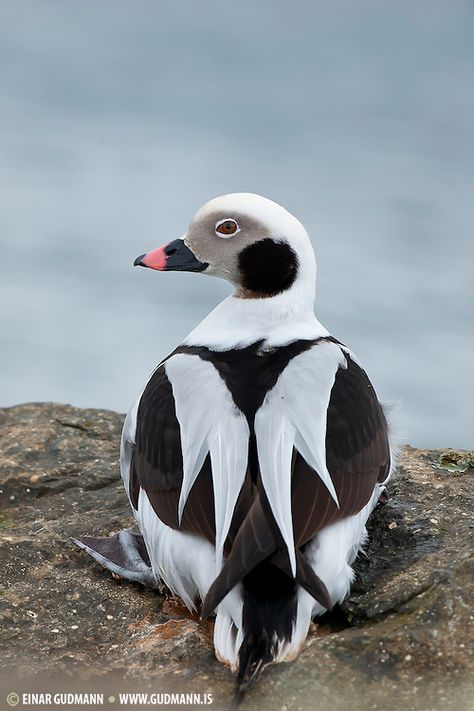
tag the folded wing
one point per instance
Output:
(263, 486)
(191, 449)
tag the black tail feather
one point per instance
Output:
(253, 658)
(268, 617)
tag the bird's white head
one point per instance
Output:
(251, 241)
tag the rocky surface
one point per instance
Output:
(404, 638)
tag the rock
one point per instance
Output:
(404, 638)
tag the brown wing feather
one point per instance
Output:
(254, 542)
(157, 463)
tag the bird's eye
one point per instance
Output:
(227, 227)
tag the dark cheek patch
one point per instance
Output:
(267, 267)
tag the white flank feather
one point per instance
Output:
(127, 443)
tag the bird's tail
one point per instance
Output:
(268, 621)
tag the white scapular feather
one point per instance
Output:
(294, 414)
(211, 423)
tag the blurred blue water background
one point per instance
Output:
(118, 119)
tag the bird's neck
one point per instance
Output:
(237, 322)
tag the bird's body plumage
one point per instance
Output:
(258, 448)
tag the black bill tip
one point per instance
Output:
(138, 261)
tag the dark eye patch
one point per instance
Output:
(268, 267)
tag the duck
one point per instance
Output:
(258, 448)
